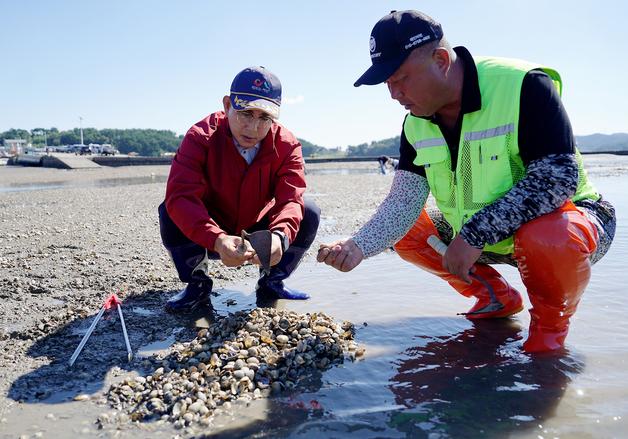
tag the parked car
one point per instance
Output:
(75, 148)
(85, 149)
(109, 150)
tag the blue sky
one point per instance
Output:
(167, 64)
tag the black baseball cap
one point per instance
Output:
(393, 37)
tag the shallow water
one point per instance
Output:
(373, 169)
(96, 183)
(428, 372)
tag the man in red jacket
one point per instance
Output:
(237, 170)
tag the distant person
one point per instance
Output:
(382, 160)
(235, 170)
(394, 163)
(385, 161)
(491, 140)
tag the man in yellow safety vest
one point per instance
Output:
(490, 139)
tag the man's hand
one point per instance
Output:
(343, 255)
(230, 250)
(460, 257)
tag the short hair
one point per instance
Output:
(426, 50)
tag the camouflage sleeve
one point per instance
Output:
(548, 183)
(395, 215)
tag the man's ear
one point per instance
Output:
(226, 103)
(442, 59)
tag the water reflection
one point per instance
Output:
(97, 183)
(477, 383)
(342, 171)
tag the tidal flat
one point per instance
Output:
(68, 239)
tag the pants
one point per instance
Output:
(553, 253)
(190, 258)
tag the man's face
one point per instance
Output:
(249, 127)
(417, 85)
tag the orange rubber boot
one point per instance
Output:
(552, 253)
(414, 248)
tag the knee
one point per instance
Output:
(408, 246)
(309, 225)
(562, 231)
(171, 236)
(403, 251)
(404, 245)
(311, 215)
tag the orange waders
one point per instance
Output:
(552, 253)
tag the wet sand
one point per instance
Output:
(67, 241)
(70, 238)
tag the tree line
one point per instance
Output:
(145, 142)
(151, 142)
(389, 147)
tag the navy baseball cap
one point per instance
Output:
(256, 88)
(393, 38)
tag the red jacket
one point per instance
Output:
(212, 190)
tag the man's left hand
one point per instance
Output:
(343, 255)
(460, 257)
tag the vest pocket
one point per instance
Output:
(491, 174)
(438, 171)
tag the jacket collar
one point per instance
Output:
(266, 145)
(471, 97)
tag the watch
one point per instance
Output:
(283, 238)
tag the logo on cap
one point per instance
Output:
(372, 43)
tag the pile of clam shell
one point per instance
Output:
(246, 355)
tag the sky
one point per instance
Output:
(167, 64)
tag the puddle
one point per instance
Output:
(155, 348)
(142, 311)
(98, 183)
(328, 221)
(343, 171)
(159, 346)
(315, 194)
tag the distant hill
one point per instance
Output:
(586, 144)
(603, 142)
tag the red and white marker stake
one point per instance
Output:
(109, 302)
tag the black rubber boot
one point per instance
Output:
(270, 286)
(268, 290)
(195, 296)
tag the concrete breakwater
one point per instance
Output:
(68, 161)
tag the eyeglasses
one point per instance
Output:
(246, 117)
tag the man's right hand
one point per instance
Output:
(230, 250)
(343, 255)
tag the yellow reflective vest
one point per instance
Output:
(488, 162)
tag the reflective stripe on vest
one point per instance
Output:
(488, 162)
